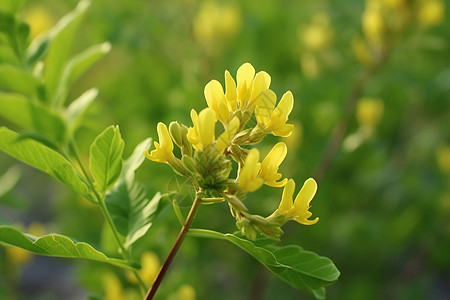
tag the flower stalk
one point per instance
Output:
(176, 246)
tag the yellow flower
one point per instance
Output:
(216, 22)
(373, 22)
(248, 174)
(275, 119)
(185, 292)
(227, 136)
(39, 19)
(443, 158)
(299, 209)
(431, 12)
(250, 86)
(216, 100)
(164, 149)
(369, 111)
(270, 165)
(112, 287)
(317, 35)
(202, 134)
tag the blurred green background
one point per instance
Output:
(383, 202)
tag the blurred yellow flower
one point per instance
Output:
(310, 65)
(299, 209)
(185, 292)
(112, 287)
(369, 111)
(201, 135)
(373, 22)
(150, 266)
(443, 158)
(248, 174)
(164, 149)
(431, 12)
(396, 4)
(216, 22)
(317, 35)
(362, 51)
(39, 20)
(270, 165)
(17, 256)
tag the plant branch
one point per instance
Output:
(104, 210)
(338, 134)
(173, 252)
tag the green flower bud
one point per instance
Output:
(213, 171)
(236, 203)
(178, 166)
(189, 164)
(176, 133)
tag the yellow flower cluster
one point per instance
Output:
(383, 20)
(205, 159)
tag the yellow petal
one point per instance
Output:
(224, 140)
(248, 174)
(164, 149)
(164, 137)
(207, 120)
(193, 133)
(301, 205)
(231, 93)
(260, 83)
(264, 107)
(271, 163)
(286, 203)
(245, 75)
(284, 130)
(216, 100)
(280, 116)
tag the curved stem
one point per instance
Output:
(173, 252)
(340, 129)
(104, 210)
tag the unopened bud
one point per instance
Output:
(236, 203)
(178, 166)
(175, 133)
(189, 164)
(247, 229)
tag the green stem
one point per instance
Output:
(173, 252)
(104, 210)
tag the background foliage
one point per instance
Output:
(384, 202)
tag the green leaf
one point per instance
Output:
(320, 293)
(43, 158)
(77, 66)
(62, 37)
(105, 160)
(17, 33)
(17, 80)
(11, 6)
(37, 49)
(56, 245)
(9, 179)
(300, 268)
(31, 115)
(128, 203)
(77, 108)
